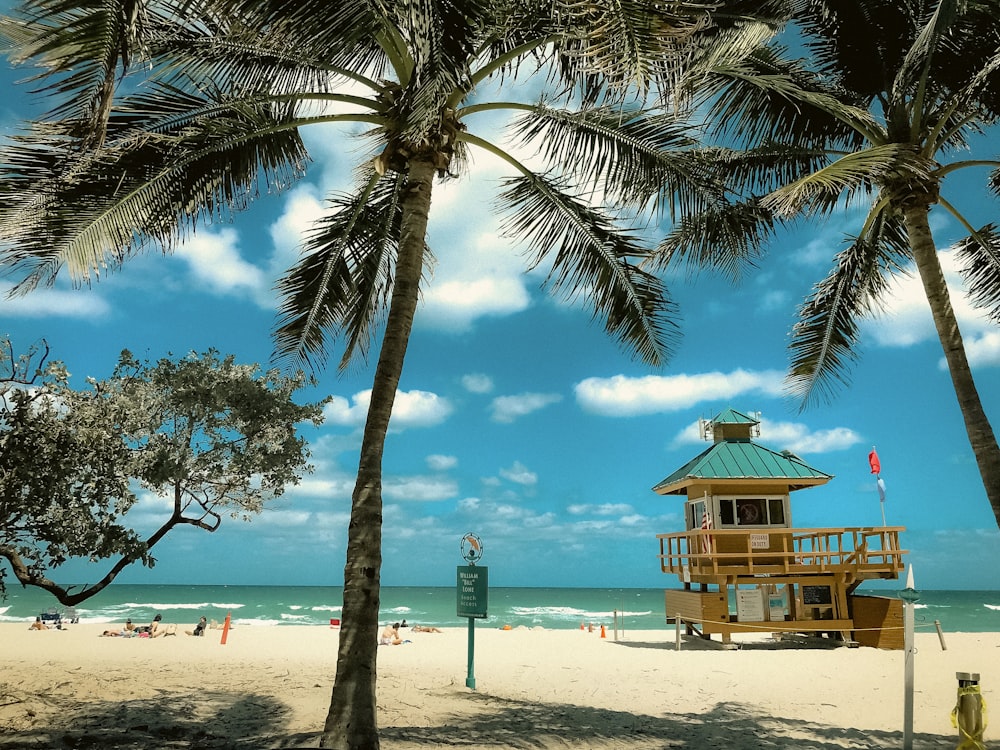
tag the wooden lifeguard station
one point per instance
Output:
(746, 568)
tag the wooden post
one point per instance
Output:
(937, 625)
(677, 636)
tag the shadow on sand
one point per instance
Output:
(503, 723)
(230, 721)
(203, 719)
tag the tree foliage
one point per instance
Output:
(879, 115)
(207, 435)
(167, 113)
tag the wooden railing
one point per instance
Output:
(868, 552)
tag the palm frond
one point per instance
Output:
(737, 29)
(443, 37)
(590, 256)
(861, 170)
(979, 255)
(148, 185)
(759, 170)
(727, 238)
(343, 281)
(824, 340)
(632, 155)
(859, 45)
(238, 54)
(81, 49)
(338, 34)
(766, 97)
(632, 45)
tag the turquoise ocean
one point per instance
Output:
(553, 608)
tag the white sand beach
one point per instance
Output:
(269, 687)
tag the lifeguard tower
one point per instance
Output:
(745, 567)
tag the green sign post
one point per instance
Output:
(472, 595)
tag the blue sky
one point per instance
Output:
(519, 420)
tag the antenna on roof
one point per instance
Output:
(704, 428)
(755, 430)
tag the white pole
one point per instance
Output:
(909, 595)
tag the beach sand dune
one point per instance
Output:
(269, 687)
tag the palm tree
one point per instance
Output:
(879, 115)
(221, 91)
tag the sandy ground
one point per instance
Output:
(269, 687)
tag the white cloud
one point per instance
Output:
(329, 488)
(52, 303)
(438, 462)
(303, 207)
(604, 509)
(509, 408)
(285, 518)
(215, 261)
(477, 383)
(983, 350)
(519, 474)
(621, 395)
(419, 488)
(455, 305)
(410, 409)
(907, 319)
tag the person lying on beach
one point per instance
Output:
(156, 628)
(426, 629)
(199, 629)
(38, 625)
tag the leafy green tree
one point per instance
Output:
(214, 437)
(880, 114)
(213, 97)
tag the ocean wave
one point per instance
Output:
(994, 607)
(177, 605)
(571, 613)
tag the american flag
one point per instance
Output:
(706, 523)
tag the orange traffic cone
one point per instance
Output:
(603, 634)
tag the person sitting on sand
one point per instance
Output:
(199, 629)
(38, 625)
(426, 629)
(390, 635)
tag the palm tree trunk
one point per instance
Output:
(351, 721)
(977, 426)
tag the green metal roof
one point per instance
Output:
(742, 459)
(731, 416)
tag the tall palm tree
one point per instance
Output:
(879, 114)
(221, 91)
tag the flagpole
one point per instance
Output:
(876, 467)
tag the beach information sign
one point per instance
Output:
(472, 593)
